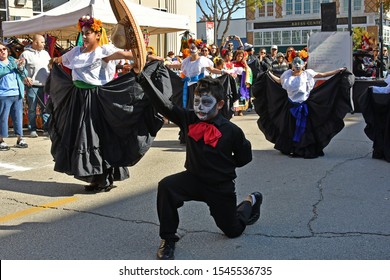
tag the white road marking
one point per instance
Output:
(13, 168)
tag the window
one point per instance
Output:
(316, 6)
(3, 15)
(289, 7)
(305, 36)
(267, 38)
(306, 7)
(276, 37)
(258, 38)
(296, 37)
(40, 6)
(286, 37)
(267, 10)
(356, 5)
(299, 7)
(386, 36)
(37, 6)
(3, 11)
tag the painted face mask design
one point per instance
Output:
(205, 106)
(193, 49)
(297, 63)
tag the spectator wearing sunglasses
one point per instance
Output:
(204, 51)
(261, 64)
(12, 72)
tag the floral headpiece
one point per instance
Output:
(89, 22)
(302, 54)
(197, 42)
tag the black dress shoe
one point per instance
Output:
(106, 188)
(166, 251)
(255, 214)
(92, 187)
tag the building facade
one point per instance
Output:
(162, 43)
(291, 22)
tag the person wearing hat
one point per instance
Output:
(94, 134)
(250, 51)
(279, 66)
(274, 52)
(298, 119)
(170, 57)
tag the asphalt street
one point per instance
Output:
(335, 207)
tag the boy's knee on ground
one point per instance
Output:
(230, 230)
(233, 233)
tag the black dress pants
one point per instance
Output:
(174, 190)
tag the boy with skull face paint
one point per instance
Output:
(214, 148)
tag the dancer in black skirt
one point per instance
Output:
(374, 104)
(98, 125)
(298, 119)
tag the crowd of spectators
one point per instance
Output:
(242, 62)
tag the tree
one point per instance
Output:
(386, 5)
(224, 9)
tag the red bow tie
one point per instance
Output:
(207, 131)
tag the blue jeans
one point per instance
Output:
(35, 96)
(11, 105)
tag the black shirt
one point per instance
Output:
(212, 165)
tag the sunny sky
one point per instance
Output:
(239, 14)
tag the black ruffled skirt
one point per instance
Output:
(327, 106)
(97, 132)
(375, 108)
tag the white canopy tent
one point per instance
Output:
(64, 18)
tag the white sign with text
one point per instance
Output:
(329, 51)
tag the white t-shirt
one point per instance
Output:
(37, 65)
(298, 87)
(194, 68)
(89, 67)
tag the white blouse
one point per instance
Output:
(194, 68)
(298, 87)
(89, 67)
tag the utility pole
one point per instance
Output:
(215, 23)
(350, 17)
(381, 39)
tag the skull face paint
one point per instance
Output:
(205, 106)
(193, 49)
(297, 64)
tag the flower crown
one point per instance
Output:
(89, 22)
(302, 54)
(197, 42)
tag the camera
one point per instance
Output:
(232, 37)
